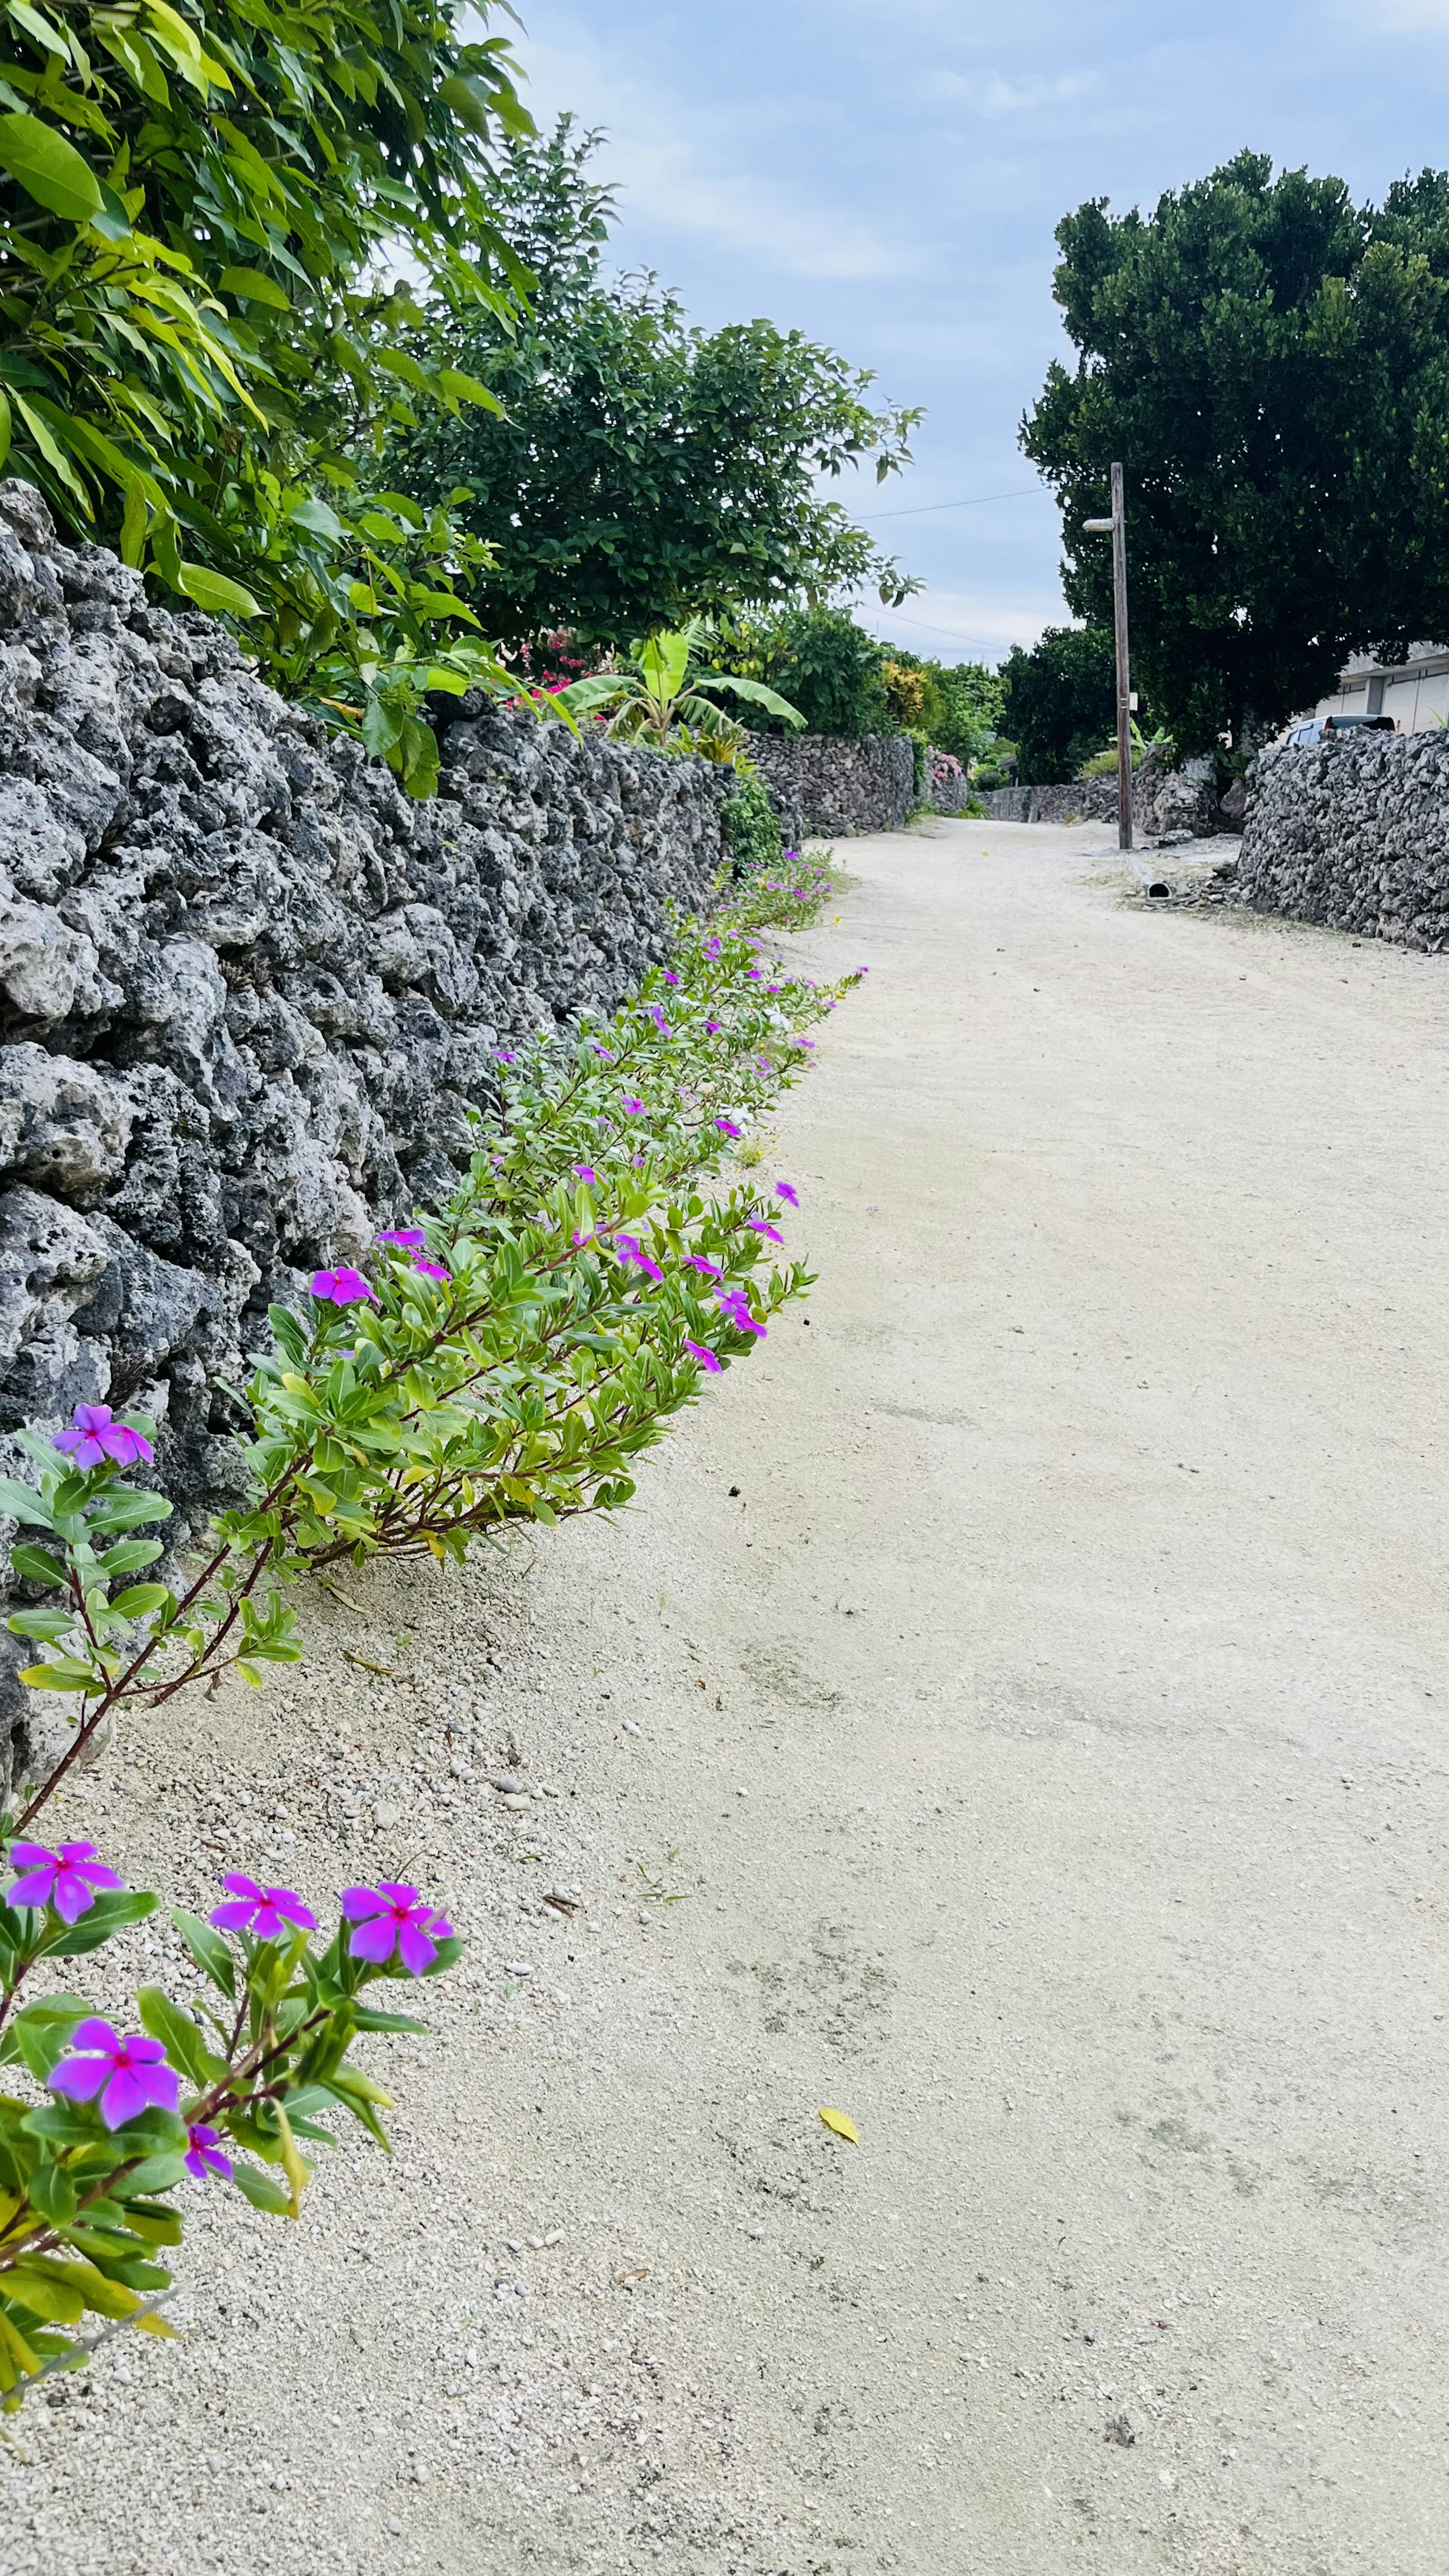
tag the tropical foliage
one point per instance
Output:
(199, 363)
(663, 694)
(1268, 361)
(639, 468)
(819, 659)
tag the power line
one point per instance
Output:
(927, 508)
(922, 628)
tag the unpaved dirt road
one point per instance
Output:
(1028, 1674)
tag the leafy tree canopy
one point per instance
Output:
(639, 470)
(958, 704)
(1059, 701)
(1268, 362)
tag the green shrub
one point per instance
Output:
(752, 828)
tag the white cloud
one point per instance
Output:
(669, 184)
(995, 96)
(1396, 17)
(677, 169)
(965, 625)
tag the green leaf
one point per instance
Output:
(127, 1556)
(257, 287)
(180, 2037)
(22, 1503)
(48, 168)
(54, 1626)
(140, 1599)
(123, 1507)
(44, 2294)
(468, 389)
(216, 592)
(158, 2173)
(38, 27)
(316, 517)
(211, 1953)
(111, 1912)
(53, 2193)
(261, 2191)
(36, 1566)
(37, 2036)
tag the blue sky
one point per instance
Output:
(887, 178)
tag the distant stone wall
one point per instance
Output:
(1165, 802)
(1353, 833)
(830, 787)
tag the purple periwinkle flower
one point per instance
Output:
(790, 1196)
(586, 1173)
(389, 1917)
(94, 1435)
(727, 1127)
(265, 1912)
(631, 1108)
(340, 1287)
(131, 2075)
(712, 1028)
(67, 1879)
(603, 1052)
(669, 976)
(504, 1055)
(705, 1357)
(629, 1249)
(405, 1237)
(752, 972)
(763, 1226)
(697, 1261)
(431, 1269)
(733, 1303)
(204, 2154)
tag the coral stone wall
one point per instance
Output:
(247, 989)
(828, 786)
(1354, 833)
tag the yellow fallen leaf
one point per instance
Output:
(843, 2127)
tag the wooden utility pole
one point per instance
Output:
(1124, 682)
(1118, 527)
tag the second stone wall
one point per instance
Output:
(827, 786)
(1353, 833)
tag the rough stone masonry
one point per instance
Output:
(247, 989)
(1352, 832)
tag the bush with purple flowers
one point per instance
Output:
(509, 1356)
(231, 2096)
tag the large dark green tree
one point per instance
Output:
(1059, 701)
(643, 469)
(1268, 362)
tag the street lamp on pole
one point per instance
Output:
(1116, 528)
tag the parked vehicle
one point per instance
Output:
(1319, 728)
